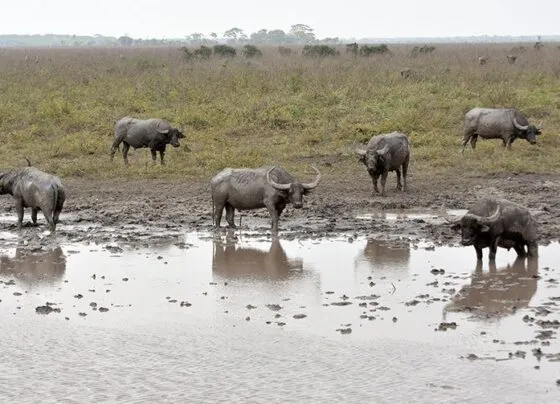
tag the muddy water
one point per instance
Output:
(242, 318)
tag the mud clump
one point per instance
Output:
(46, 309)
(447, 326)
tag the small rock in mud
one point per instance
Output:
(340, 303)
(299, 316)
(437, 271)
(103, 309)
(412, 303)
(17, 293)
(247, 318)
(82, 314)
(78, 296)
(548, 323)
(547, 334)
(395, 319)
(185, 304)
(250, 307)
(329, 292)
(93, 304)
(281, 323)
(125, 279)
(518, 354)
(46, 309)
(445, 326)
(344, 330)
(172, 301)
(274, 307)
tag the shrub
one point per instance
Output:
(251, 51)
(319, 51)
(368, 50)
(284, 51)
(425, 49)
(204, 52)
(224, 51)
(352, 48)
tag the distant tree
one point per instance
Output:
(303, 33)
(224, 51)
(125, 41)
(277, 36)
(195, 38)
(251, 51)
(235, 34)
(213, 35)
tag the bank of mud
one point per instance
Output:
(150, 209)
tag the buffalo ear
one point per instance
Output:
(455, 226)
(484, 228)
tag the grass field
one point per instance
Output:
(58, 107)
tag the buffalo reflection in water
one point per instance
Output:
(232, 261)
(33, 267)
(383, 254)
(498, 292)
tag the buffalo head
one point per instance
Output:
(374, 160)
(527, 132)
(172, 136)
(295, 190)
(472, 226)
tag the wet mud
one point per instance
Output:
(356, 293)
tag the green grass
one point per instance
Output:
(60, 112)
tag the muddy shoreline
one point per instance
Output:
(145, 211)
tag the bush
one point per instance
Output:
(284, 51)
(425, 49)
(225, 51)
(368, 50)
(204, 52)
(319, 51)
(352, 48)
(251, 51)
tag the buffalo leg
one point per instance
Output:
(399, 185)
(154, 156)
(34, 215)
(59, 205)
(374, 180)
(404, 174)
(161, 157)
(520, 250)
(533, 250)
(48, 213)
(478, 252)
(383, 182)
(493, 248)
(19, 210)
(230, 215)
(474, 138)
(125, 148)
(218, 209)
(274, 216)
(466, 139)
(115, 147)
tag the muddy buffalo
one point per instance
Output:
(497, 223)
(505, 124)
(265, 187)
(155, 134)
(35, 189)
(233, 261)
(497, 292)
(384, 153)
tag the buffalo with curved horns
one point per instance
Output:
(268, 187)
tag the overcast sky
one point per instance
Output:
(345, 19)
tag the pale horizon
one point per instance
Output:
(172, 19)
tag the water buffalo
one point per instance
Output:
(234, 261)
(246, 188)
(155, 134)
(497, 292)
(482, 60)
(384, 153)
(511, 59)
(497, 223)
(505, 124)
(35, 189)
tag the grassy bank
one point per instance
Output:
(58, 107)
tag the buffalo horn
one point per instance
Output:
(313, 184)
(518, 126)
(282, 187)
(486, 220)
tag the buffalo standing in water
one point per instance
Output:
(265, 187)
(155, 134)
(384, 153)
(35, 189)
(505, 124)
(497, 223)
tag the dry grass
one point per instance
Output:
(58, 107)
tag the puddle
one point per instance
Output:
(410, 214)
(257, 308)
